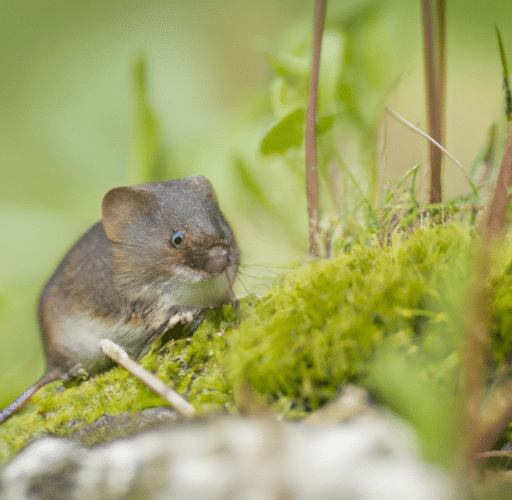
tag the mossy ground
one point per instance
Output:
(316, 329)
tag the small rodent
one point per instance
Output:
(161, 248)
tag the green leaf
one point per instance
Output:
(288, 64)
(250, 185)
(147, 160)
(506, 86)
(503, 57)
(287, 133)
(331, 65)
(324, 124)
(486, 153)
(287, 96)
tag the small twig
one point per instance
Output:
(119, 355)
(310, 133)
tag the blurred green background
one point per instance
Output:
(68, 126)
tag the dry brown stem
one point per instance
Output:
(435, 81)
(486, 415)
(310, 133)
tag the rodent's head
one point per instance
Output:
(168, 234)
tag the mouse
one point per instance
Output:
(161, 249)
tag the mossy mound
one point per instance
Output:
(312, 332)
(319, 327)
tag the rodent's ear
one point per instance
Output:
(203, 183)
(122, 208)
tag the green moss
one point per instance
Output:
(502, 315)
(315, 330)
(187, 364)
(319, 328)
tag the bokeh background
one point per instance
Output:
(68, 120)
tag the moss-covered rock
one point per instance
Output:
(313, 331)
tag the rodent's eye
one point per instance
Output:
(177, 239)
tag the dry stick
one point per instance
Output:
(119, 355)
(434, 111)
(310, 133)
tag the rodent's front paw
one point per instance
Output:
(184, 318)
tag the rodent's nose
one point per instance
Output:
(217, 260)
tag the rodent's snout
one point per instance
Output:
(217, 260)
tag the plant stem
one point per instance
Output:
(310, 133)
(486, 415)
(435, 76)
(495, 220)
(441, 41)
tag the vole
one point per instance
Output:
(160, 249)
